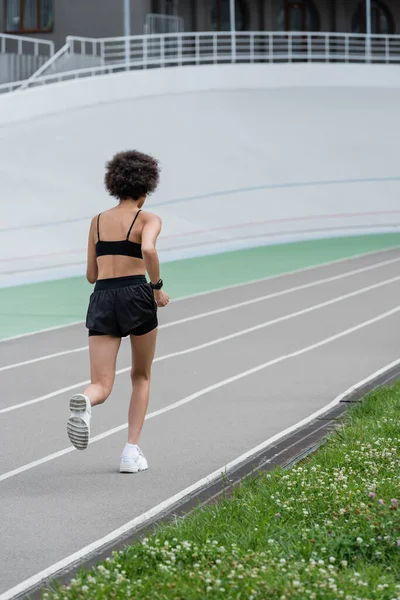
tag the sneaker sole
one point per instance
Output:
(139, 468)
(77, 403)
(78, 433)
(77, 429)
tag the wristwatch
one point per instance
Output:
(158, 285)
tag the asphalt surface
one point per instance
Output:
(261, 367)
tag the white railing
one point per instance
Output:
(11, 86)
(21, 56)
(82, 57)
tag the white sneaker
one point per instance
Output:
(133, 462)
(78, 426)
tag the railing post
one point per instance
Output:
(346, 48)
(368, 48)
(215, 49)
(162, 47)
(327, 57)
(290, 49)
(197, 48)
(233, 47)
(387, 50)
(102, 53)
(179, 50)
(368, 18)
(145, 52)
(127, 30)
(270, 47)
(251, 47)
(309, 53)
(232, 14)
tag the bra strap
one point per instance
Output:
(133, 222)
(98, 227)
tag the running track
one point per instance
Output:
(233, 368)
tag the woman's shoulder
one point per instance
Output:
(101, 214)
(150, 217)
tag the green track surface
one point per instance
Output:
(40, 305)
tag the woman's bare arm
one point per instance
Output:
(92, 270)
(150, 233)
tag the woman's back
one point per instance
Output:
(117, 239)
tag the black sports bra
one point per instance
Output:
(121, 247)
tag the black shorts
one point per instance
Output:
(122, 306)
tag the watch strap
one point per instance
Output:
(158, 285)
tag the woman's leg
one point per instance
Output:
(103, 350)
(103, 355)
(143, 348)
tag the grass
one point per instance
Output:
(327, 529)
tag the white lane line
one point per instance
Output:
(32, 361)
(45, 330)
(222, 309)
(205, 391)
(114, 535)
(228, 287)
(220, 340)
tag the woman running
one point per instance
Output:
(121, 248)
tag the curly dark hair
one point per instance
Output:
(131, 174)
